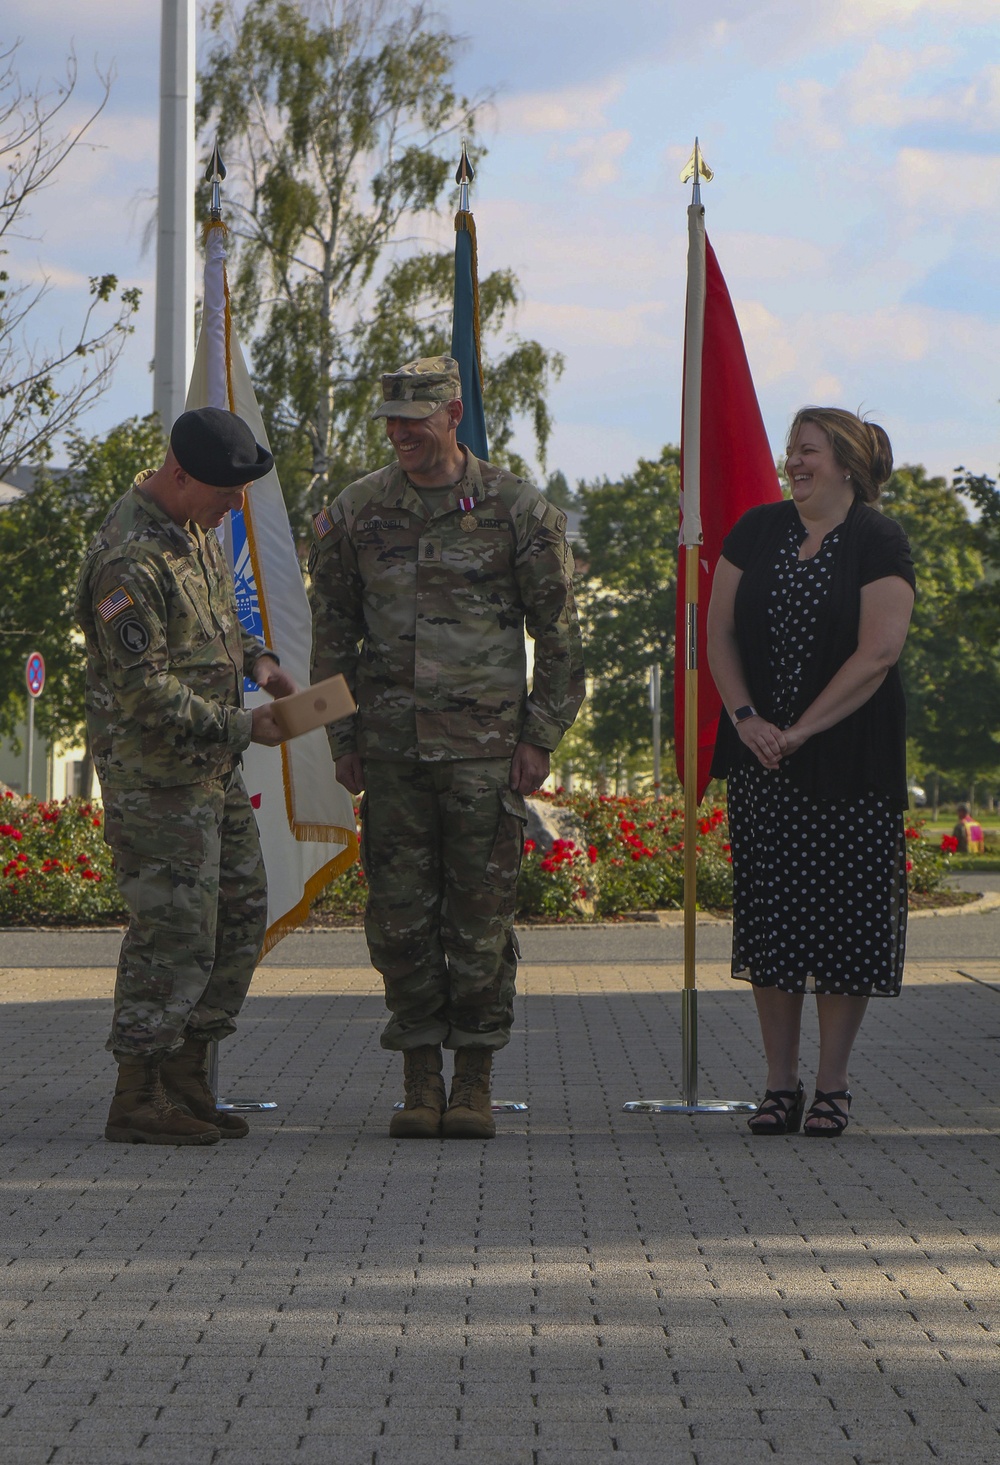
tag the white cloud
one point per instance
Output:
(33, 272)
(571, 109)
(770, 350)
(892, 88)
(600, 157)
(813, 121)
(563, 251)
(779, 29)
(773, 257)
(586, 448)
(848, 18)
(943, 184)
(825, 388)
(584, 327)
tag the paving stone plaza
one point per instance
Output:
(590, 1286)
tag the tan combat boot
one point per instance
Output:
(185, 1078)
(424, 1092)
(469, 1115)
(142, 1114)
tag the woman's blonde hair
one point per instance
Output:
(861, 448)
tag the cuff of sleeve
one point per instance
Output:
(239, 728)
(343, 736)
(264, 651)
(541, 731)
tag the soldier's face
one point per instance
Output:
(425, 446)
(207, 505)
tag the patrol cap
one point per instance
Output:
(420, 387)
(218, 448)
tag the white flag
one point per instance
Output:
(305, 817)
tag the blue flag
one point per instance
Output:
(465, 337)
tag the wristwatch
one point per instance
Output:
(742, 713)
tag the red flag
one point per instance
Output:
(725, 451)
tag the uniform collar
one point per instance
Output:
(401, 493)
(185, 540)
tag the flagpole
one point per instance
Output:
(467, 351)
(215, 176)
(691, 533)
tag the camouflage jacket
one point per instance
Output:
(424, 613)
(166, 654)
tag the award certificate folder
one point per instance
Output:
(314, 707)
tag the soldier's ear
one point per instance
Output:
(456, 412)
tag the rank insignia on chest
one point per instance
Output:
(323, 524)
(114, 604)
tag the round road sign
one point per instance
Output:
(34, 673)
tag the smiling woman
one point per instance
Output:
(810, 609)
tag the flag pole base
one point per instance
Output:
(232, 1106)
(498, 1106)
(690, 1104)
(706, 1106)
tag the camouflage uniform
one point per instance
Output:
(437, 593)
(166, 657)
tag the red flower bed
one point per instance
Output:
(55, 868)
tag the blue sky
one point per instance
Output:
(856, 146)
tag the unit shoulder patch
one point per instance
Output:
(134, 636)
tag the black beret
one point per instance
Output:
(218, 448)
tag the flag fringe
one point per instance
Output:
(313, 886)
(322, 833)
(464, 220)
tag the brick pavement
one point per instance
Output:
(590, 1287)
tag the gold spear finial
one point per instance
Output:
(696, 168)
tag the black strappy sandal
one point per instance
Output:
(838, 1117)
(787, 1116)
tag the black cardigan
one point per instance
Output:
(866, 751)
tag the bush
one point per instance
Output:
(55, 868)
(926, 862)
(634, 860)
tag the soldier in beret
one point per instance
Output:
(166, 657)
(425, 575)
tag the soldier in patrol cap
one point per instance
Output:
(166, 657)
(425, 575)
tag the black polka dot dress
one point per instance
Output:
(819, 886)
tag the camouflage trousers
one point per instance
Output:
(189, 867)
(441, 848)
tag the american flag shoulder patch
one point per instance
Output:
(114, 604)
(323, 524)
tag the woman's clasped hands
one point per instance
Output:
(768, 743)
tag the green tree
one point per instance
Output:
(340, 125)
(44, 388)
(627, 599)
(557, 490)
(950, 667)
(43, 538)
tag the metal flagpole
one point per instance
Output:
(215, 175)
(173, 350)
(692, 537)
(654, 707)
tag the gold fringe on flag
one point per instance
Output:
(464, 220)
